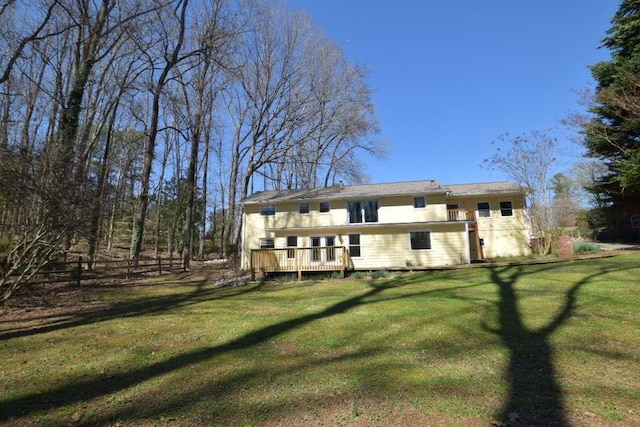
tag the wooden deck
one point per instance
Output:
(299, 260)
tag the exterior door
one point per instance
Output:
(322, 248)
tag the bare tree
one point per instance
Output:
(173, 29)
(298, 111)
(33, 27)
(528, 160)
(212, 35)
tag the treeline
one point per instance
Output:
(151, 119)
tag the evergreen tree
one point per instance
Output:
(613, 134)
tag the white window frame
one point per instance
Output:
(264, 245)
(327, 254)
(478, 210)
(430, 248)
(359, 245)
(424, 198)
(500, 206)
(328, 209)
(300, 205)
(263, 210)
(291, 249)
(363, 212)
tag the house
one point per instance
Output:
(382, 226)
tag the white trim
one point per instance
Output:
(266, 238)
(512, 209)
(243, 248)
(425, 202)
(362, 211)
(478, 210)
(325, 212)
(466, 239)
(275, 210)
(324, 246)
(348, 245)
(286, 242)
(308, 208)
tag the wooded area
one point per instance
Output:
(147, 121)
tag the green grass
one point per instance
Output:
(547, 344)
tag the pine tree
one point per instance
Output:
(613, 134)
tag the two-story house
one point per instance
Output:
(382, 226)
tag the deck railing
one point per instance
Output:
(299, 260)
(461, 215)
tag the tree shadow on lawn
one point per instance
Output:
(535, 395)
(201, 292)
(100, 386)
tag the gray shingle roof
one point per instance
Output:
(480, 188)
(378, 190)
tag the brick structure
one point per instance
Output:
(562, 246)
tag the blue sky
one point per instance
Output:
(451, 77)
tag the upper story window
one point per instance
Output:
(506, 209)
(303, 208)
(324, 207)
(484, 209)
(267, 210)
(363, 211)
(419, 202)
(267, 243)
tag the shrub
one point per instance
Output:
(379, 274)
(585, 247)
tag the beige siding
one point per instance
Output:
(386, 245)
(502, 235)
(400, 209)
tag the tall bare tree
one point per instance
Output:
(529, 161)
(172, 25)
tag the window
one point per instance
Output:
(420, 240)
(367, 210)
(506, 209)
(292, 242)
(419, 202)
(324, 207)
(267, 243)
(354, 245)
(484, 209)
(303, 208)
(268, 210)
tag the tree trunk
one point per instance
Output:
(172, 61)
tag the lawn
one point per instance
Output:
(555, 344)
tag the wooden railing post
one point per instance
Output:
(128, 268)
(344, 262)
(251, 266)
(159, 266)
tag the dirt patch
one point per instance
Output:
(58, 300)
